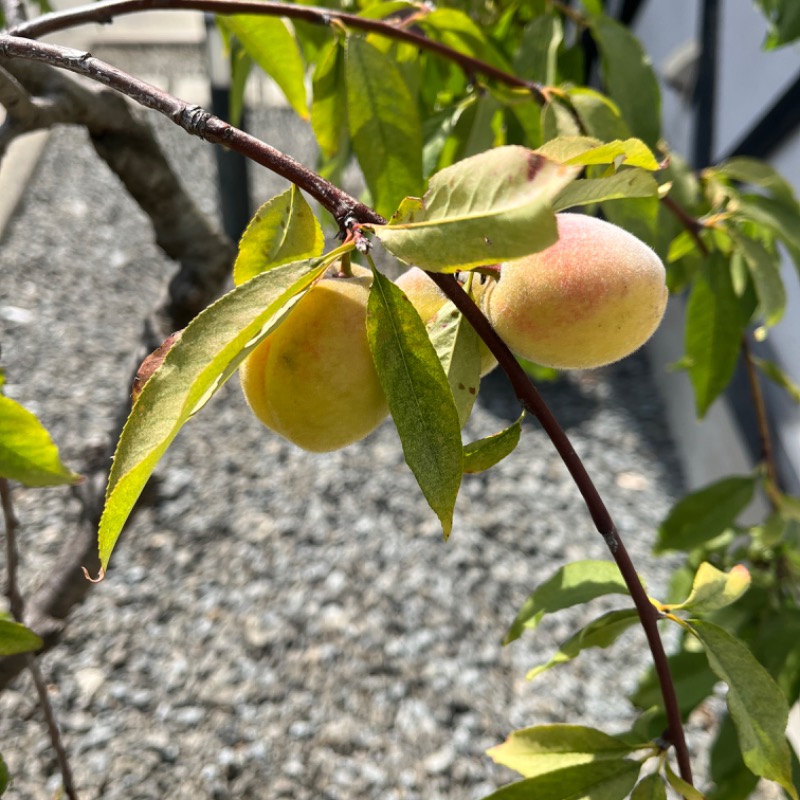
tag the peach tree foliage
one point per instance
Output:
(472, 126)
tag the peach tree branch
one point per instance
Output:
(104, 12)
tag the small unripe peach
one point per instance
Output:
(592, 298)
(313, 380)
(427, 298)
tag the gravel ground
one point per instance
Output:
(281, 624)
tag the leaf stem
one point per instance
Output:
(17, 605)
(533, 402)
(104, 12)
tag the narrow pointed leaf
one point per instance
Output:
(16, 638)
(684, 789)
(586, 150)
(624, 184)
(597, 780)
(629, 77)
(757, 706)
(765, 270)
(602, 632)
(329, 103)
(705, 514)
(713, 333)
(489, 208)
(204, 357)
(650, 787)
(384, 124)
(27, 453)
(571, 585)
(283, 230)
(546, 748)
(456, 344)
(418, 394)
(598, 113)
(713, 589)
(270, 43)
(756, 173)
(485, 453)
(779, 377)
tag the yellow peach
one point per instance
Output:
(592, 298)
(313, 380)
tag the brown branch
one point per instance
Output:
(104, 12)
(533, 402)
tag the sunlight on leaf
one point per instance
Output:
(485, 453)
(16, 638)
(713, 589)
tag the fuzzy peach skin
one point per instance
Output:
(427, 298)
(592, 298)
(313, 380)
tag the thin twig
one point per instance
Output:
(104, 12)
(690, 223)
(532, 401)
(17, 605)
(762, 421)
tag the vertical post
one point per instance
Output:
(232, 168)
(706, 88)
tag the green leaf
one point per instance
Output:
(16, 638)
(485, 453)
(270, 43)
(27, 453)
(756, 704)
(784, 21)
(241, 65)
(329, 101)
(778, 376)
(765, 270)
(732, 779)
(599, 115)
(483, 210)
(602, 632)
(571, 585)
(457, 346)
(651, 787)
(754, 172)
(780, 217)
(713, 332)
(384, 125)
(704, 514)
(547, 748)
(418, 394)
(629, 77)
(456, 29)
(713, 589)
(202, 359)
(283, 230)
(537, 56)
(626, 183)
(597, 780)
(682, 787)
(5, 778)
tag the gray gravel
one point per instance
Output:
(281, 624)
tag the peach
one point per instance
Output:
(313, 380)
(592, 298)
(427, 298)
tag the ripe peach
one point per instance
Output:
(313, 380)
(592, 298)
(428, 298)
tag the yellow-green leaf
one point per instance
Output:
(571, 585)
(16, 638)
(283, 230)
(713, 589)
(27, 453)
(651, 787)
(485, 453)
(202, 359)
(546, 748)
(624, 184)
(757, 706)
(270, 43)
(485, 209)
